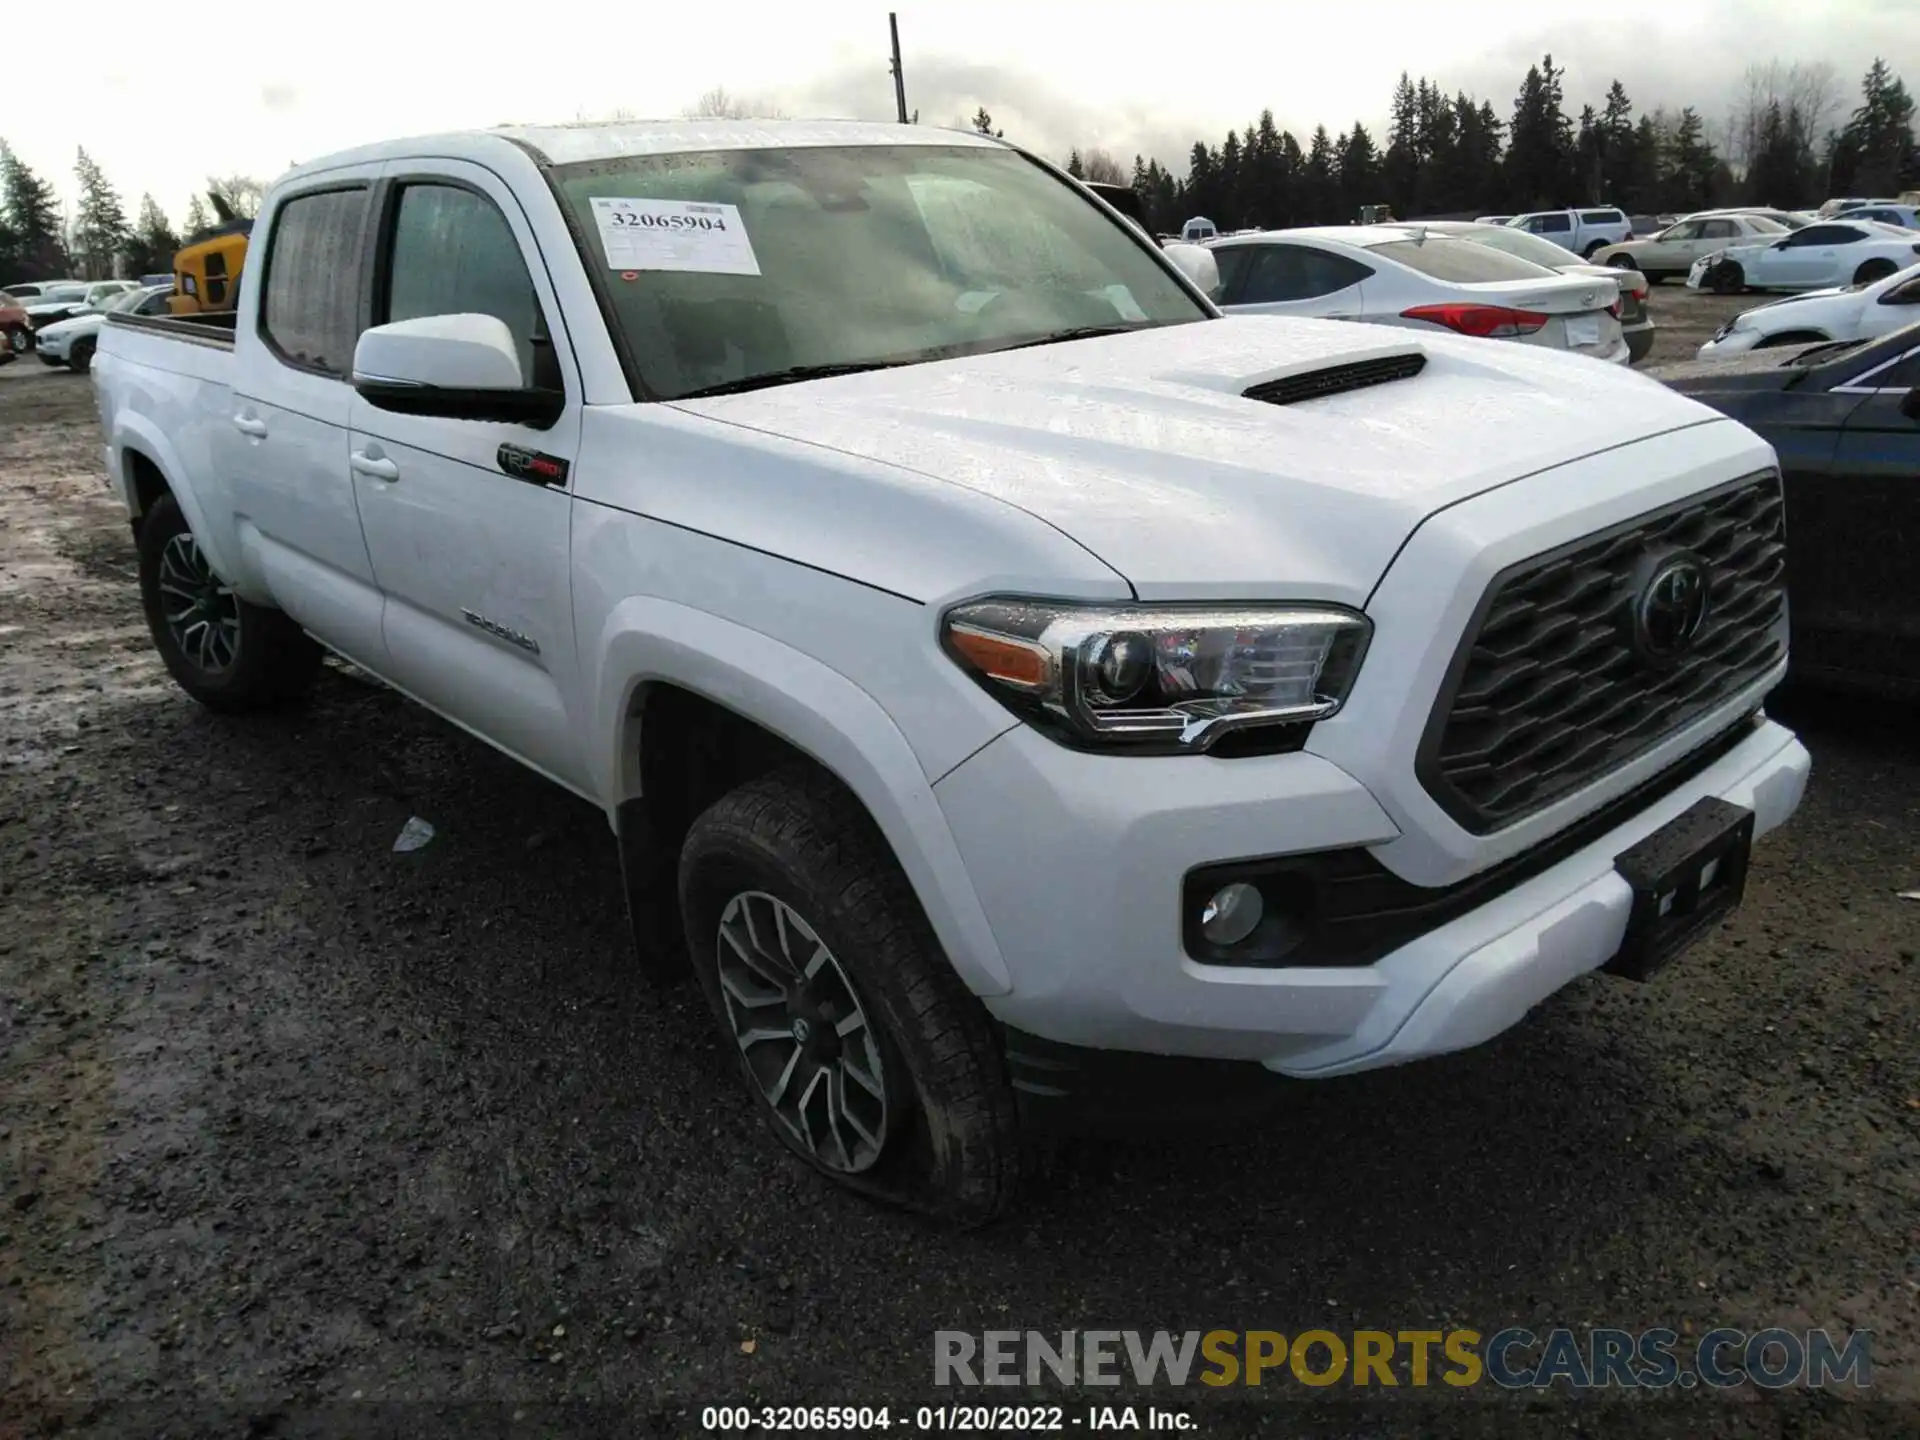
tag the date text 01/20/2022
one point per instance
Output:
(980, 1418)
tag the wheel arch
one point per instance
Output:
(688, 701)
(147, 468)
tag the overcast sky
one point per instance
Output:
(266, 91)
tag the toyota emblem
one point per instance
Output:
(1670, 607)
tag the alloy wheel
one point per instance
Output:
(803, 1034)
(201, 613)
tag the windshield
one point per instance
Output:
(730, 267)
(1458, 261)
(63, 294)
(1520, 244)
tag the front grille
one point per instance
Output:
(1337, 379)
(1549, 692)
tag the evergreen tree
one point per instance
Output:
(1319, 191)
(101, 231)
(1540, 155)
(1875, 153)
(1232, 205)
(1401, 166)
(1076, 167)
(32, 219)
(1359, 164)
(983, 122)
(1691, 166)
(154, 244)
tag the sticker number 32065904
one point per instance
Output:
(674, 235)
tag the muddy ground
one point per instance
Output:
(289, 1121)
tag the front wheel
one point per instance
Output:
(862, 1050)
(80, 357)
(224, 652)
(19, 340)
(1728, 278)
(1620, 262)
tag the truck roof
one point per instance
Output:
(571, 143)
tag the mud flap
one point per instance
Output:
(653, 909)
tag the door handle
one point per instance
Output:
(372, 467)
(248, 425)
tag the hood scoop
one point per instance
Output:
(1338, 379)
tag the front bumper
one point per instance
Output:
(1726, 346)
(1078, 860)
(52, 348)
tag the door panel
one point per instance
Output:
(284, 448)
(473, 562)
(1867, 520)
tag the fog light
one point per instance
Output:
(1231, 915)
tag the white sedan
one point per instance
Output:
(1673, 251)
(1858, 312)
(1815, 258)
(1403, 275)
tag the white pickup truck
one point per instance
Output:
(1001, 671)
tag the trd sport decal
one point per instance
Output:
(531, 465)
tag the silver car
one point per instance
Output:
(1408, 276)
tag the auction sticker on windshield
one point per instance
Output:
(686, 235)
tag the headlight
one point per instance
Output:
(1170, 678)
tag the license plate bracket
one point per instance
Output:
(1583, 330)
(1686, 877)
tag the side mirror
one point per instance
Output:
(1910, 403)
(1196, 262)
(458, 367)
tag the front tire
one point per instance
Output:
(19, 340)
(1728, 278)
(226, 653)
(864, 1053)
(80, 357)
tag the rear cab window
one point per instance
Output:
(1459, 261)
(1602, 217)
(309, 303)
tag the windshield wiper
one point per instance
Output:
(789, 376)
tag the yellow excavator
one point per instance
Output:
(206, 273)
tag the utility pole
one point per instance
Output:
(899, 80)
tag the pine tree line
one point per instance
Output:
(1455, 154)
(1441, 154)
(103, 241)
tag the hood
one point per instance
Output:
(75, 325)
(1143, 448)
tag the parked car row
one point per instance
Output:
(71, 342)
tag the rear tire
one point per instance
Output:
(1594, 249)
(1873, 270)
(941, 1132)
(1728, 278)
(226, 653)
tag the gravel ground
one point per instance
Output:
(287, 1119)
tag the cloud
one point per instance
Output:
(279, 96)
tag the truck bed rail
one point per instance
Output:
(214, 330)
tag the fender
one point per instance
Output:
(137, 434)
(818, 711)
